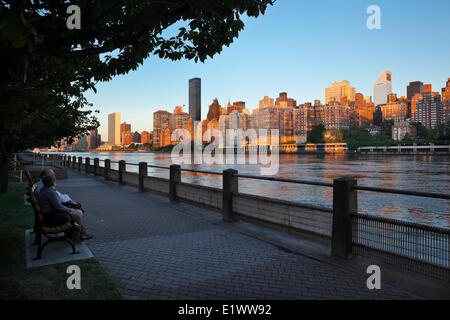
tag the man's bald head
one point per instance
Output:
(47, 172)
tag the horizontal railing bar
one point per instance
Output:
(313, 183)
(203, 171)
(158, 167)
(405, 192)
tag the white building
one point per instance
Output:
(382, 87)
(114, 128)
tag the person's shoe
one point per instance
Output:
(86, 236)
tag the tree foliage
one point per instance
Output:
(48, 68)
(316, 135)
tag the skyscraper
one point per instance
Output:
(382, 87)
(195, 101)
(114, 128)
(413, 88)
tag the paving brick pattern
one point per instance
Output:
(153, 249)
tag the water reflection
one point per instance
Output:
(420, 173)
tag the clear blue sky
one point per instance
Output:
(299, 47)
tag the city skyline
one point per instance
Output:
(275, 54)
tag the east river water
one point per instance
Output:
(406, 172)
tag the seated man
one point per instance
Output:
(63, 198)
(52, 208)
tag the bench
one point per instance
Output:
(56, 233)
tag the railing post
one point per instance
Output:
(345, 202)
(107, 169)
(69, 158)
(80, 160)
(87, 164)
(122, 168)
(96, 161)
(174, 179)
(230, 186)
(142, 173)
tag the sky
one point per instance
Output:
(298, 47)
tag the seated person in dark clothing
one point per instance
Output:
(63, 198)
(54, 210)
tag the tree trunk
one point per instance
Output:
(4, 162)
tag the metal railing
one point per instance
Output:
(416, 247)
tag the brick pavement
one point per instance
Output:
(153, 249)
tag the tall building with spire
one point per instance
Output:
(382, 87)
(114, 128)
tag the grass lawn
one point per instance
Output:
(47, 282)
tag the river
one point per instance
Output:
(408, 172)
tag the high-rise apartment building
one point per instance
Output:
(124, 127)
(114, 128)
(446, 102)
(195, 99)
(127, 137)
(361, 111)
(145, 137)
(395, 109)
(180, 118)
(284, 101)
(382, 87)
(161, 120)
(338, 91)
(239, 106)
(336, 116)
(426, 107)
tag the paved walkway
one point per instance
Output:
(153, 249)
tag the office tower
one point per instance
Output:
(339, 90)
(114, 128)
(427, 107)
(145, 137)
(413, 88)
(382, 87)
(395, 109)
(446, 102)
(161, 120)
(195, 101)
(214, 111)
